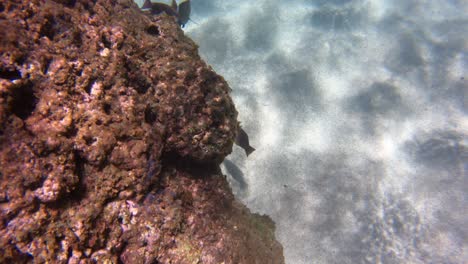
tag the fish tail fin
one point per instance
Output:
(249, 150)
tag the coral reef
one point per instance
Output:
(111, 133)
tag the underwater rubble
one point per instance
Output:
(112, 130)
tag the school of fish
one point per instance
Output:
(181, 12)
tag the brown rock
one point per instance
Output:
(111, 132)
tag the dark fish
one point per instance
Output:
(158, 8)
(236, 173)
(242, 140)
(181, 12)
(184, 13)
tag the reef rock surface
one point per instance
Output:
(111, 133)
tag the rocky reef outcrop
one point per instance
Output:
(111, 133)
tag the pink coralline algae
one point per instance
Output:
(111, 133)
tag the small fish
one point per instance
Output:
(158, 8)
(181, 12)
(184, 13)
(242, 140)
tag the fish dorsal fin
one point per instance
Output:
(174, 5)
(146, 4)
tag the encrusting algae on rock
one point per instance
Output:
(111, 133)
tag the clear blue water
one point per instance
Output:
(358, 112)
